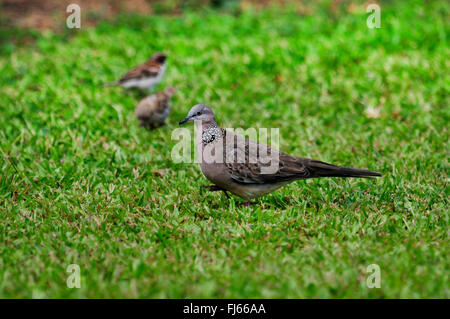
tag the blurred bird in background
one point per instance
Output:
(153, 110)
(146, 75)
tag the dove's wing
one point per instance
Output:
(254, 163)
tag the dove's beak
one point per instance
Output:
(183, 121)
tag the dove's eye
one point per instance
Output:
(198, 113)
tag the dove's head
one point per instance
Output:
(159, 58)
(199, 112)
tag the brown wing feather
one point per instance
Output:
(147, 69)
(250, 172)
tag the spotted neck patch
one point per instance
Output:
(211, 134)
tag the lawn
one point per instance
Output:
(81, 183)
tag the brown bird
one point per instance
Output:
(146, 75)
(153, 110)
(249, 169)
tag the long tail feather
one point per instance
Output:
(321, 169)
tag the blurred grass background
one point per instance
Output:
(82, 183)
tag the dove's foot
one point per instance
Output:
(247, 203)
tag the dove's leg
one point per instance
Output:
(214, 188)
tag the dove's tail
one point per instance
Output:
(321, 169)
(110, 84)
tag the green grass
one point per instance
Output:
(79, 179)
